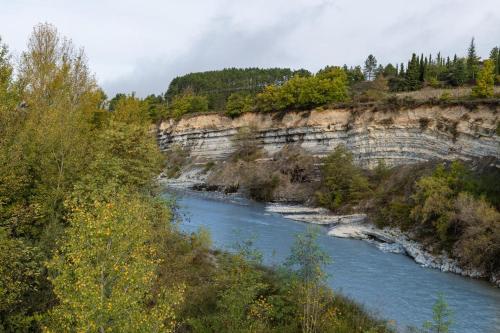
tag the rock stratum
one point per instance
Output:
(405, 135)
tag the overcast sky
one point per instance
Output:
(141, 45)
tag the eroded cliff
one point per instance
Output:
(405, 135)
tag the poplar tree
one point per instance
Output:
(485, 81)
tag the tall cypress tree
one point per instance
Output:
(472, 61)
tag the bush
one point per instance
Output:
(176, 158)
(238, 103)
(446, 96)
(479, 244)
(187, 103)
(305, 92)
(343, 182)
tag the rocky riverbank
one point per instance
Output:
(393, 240)
(355, 226)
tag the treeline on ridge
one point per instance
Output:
(236, 91)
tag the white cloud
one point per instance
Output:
(141, 45)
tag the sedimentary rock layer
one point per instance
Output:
(406, 135)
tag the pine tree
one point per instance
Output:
(370, 67)
(472, 61)
(495, 57)
(458, 74)
(413, 74)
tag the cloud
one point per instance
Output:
(226, 43)
(140, 47)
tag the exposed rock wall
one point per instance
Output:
(403, 136)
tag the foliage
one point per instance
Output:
(485, 80)
(238, 103)
(188, 102)
(21, 274)
(479, 244)
(309, 259)
(63, 151)
(370, 67)
(105, 267)
(156, 107)
(472, 61)
(305, 92)
(449, 206)
(441, 320)
(217, 86)
(342, 181)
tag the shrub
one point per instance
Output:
(343, 182)
(479, 244)
(305, 92)
(176, 158)
(246, 143)
(187, 103)
(238, 103)
(445, 96)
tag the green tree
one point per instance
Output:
(188, 102)
(413, 74)
(370, 67)
(495, 57)
(390, 71)
(472, 61)
(342, 181)
(441, 319)
(21, 273)
(113, 101)
(485, 81)
(309, 259)
(458, 75)
(104, 270)
(238, 103)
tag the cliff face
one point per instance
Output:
(404, 136)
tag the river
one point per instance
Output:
(391, 286)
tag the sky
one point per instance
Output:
(140, 46)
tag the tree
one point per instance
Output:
(21, 273)
(354, 75)
(342, 180)
(238, 103)
(479, 243)
(485, 81)
(188, 102)
(441, 320)
(370, 67)
(413, 74)
(495, 57)
(104, 270)
(309, 260)
(472, 61)
(390, 71)
(458, 75)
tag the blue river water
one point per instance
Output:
(391, 286)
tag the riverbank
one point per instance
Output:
(389, 285)
(354, 226)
